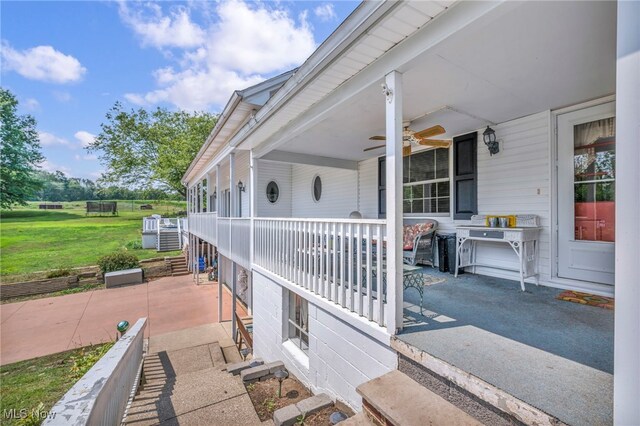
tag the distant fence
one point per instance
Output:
(50, 206)
(102, 207)
(101, 396)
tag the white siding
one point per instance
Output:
(340, 357)
(517, 181)
(281, 174)
(339, 192)
(242, 174)
(368, 188)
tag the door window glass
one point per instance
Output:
(594, 162)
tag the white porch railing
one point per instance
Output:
(100, 397)
(340, 260)
(149, 224)
(234, 239)
(203, 225)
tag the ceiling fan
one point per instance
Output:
(410, 137)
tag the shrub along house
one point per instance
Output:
(290, 189)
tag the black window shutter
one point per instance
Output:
(465, 176)
(382, 188)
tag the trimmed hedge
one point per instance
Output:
(118, 261)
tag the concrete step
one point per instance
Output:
(396, 399)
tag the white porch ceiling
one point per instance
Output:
(521, 59)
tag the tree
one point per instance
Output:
(143, 149)
(19, 153)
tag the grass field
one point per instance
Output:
(38, 240)
(37, 384)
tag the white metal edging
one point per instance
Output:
(101, 395)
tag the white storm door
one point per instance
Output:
(586, 194)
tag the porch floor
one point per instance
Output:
(552, 354)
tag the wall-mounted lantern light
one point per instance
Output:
(241, 186)
(490, 141)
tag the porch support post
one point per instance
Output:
(626, 391)
(393, 93)
(233, 300)
(201, 204)
(218, 201)
(253, 178)
(232, 185)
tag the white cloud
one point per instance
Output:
(50, 167)
(49, 139)
(325, 12)
(31, 104)
(85, 138)
(258, 40)
(176, 30)
(43, 63)
(243, 46)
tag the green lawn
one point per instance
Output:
(27, 384)
(38, 240)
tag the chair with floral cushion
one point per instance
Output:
(417, 242)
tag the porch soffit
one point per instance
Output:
(495, 67)
(377, 39)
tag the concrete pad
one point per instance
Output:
(315, 403)
(194, 336)
(286, 416)
(405, 402)
(45, 326)
(217, 357)
(187, 360)
(234, 411)
(181, 395)
(8, 309)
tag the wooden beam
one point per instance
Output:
(312, 160)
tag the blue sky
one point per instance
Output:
(69, 62)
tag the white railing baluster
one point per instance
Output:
(343, 259)
(351, 259)
(333, 258)
(369, 274)
(380, 275)
(359, 260)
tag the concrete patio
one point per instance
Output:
(554, 355)
(45, 326)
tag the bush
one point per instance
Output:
(134, 245)
(117, 261)
(64, 271)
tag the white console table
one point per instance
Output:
(523, 240)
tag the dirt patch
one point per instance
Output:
(320, 418)
(264, 395)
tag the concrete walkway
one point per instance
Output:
(40, 327)
(185, 383)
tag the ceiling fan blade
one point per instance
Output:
(373, 147)
(406, 150)
(438, 143)
(431, 131)
(377, 138)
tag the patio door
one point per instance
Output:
(586, 194)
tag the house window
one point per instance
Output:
(426, 182)
(273, 192)
(299, 321)
(316, 188)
